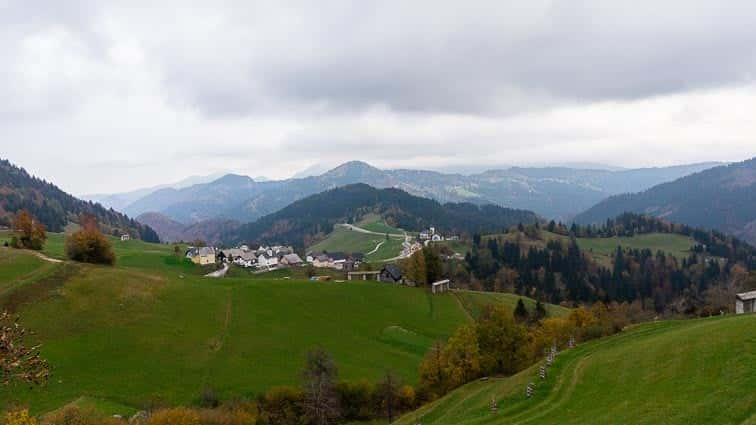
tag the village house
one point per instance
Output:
(336, 260)
(265, 260)
(745, 302)
(291, 260)
(203, 255)
(238, 256)
(125, 237)
(392, 274)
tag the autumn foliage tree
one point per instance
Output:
(28, 232)
(89, 245)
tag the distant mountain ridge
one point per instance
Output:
(56, 208)
(118, 201)
(721, 198)
(550, 192)
(305, 221)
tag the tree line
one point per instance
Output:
(557, 270)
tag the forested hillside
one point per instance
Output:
(722, 198)
(306, 220)
(55, 208)
(548, 263)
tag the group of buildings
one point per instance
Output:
(262, 258)
(272, 257)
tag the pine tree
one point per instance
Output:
(521, 313)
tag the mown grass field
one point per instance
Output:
(672, 372)
(375, 223)
(152, 330)
(345, 240)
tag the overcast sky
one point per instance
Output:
(105, 96)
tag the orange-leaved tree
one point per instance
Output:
(89, 245)
(28, 232)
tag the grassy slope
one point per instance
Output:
(18, 268)
(375, 223)
(676, 372)
(345, 240)
(151, 329)
(474, 302)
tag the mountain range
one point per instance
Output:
(721, 198)
(307, 220)
(552, 192)
(55, 208)
(118, 201)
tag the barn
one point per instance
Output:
(745, 302)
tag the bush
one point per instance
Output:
(89, 245)
(281, 406)
(175, 416)
(239, 414)
(356, 400)
(209, 398)
(19, 417)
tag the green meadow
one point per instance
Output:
(673, 372)
(151, 330)
(343, 239)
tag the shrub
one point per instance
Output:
(281, 406)
(356, 400)
(209, 398)
(89, 245)
(19, 417)
(175, 416)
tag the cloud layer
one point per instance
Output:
(143, 92)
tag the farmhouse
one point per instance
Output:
(745, 302)
(203, 256)
(391, 273)
(125, 237)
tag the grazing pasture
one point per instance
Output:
(673, 372)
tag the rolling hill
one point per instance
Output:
(55, 208)
(554, 192)
(153, 330)
(721, 198)
(311, 219)
(672, 372)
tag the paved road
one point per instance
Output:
(218, 273)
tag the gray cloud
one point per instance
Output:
(269, 87)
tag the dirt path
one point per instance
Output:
(46, 258)
(377, 247)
